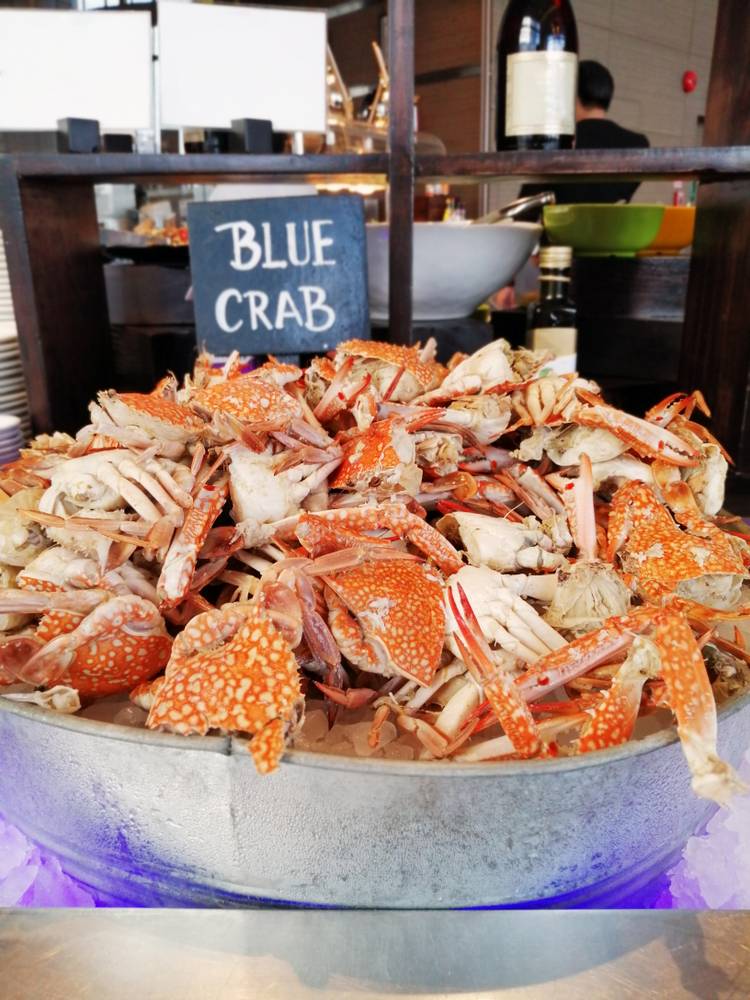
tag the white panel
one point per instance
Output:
(220, 62)
(74, 64)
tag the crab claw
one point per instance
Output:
(692, 701)
(578, 497)
(351, 698)
(396, 518)
(577, 658)
(503, 695)
(647, 439)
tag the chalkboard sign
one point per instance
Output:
(279, 275)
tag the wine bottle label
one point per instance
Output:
(565, 364)
(540, 93)
(562, 341)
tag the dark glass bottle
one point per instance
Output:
(537, 74)
(553, 324)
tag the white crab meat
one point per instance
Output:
(59, 568)
(437, 450)
(588, 592)
(20, 539)
(707, 480)
(564, 446)
(722, 591)
(488, 365)
(557, 530)
(536, 587)
(500, 544)
(112, 480)
(610, 475)
(87, 541)
(485, 416)
(505, 618)
(57, 699)
(532, 448)
(76, 484)
(259, 497)
(464, 699)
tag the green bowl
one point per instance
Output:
(603, 230)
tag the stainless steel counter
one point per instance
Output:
(337, 954)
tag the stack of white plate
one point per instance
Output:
(13, 399)
(7, 316)
(11, 439)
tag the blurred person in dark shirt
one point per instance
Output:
(595, 131)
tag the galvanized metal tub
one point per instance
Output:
(154, 819)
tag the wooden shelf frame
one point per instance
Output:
(49, 224)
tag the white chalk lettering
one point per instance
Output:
(269, 261)
(291, 240)
(221, 310)
(320, 242)
(243, 238)
(287, 309)
(258, 302)
(316, 305)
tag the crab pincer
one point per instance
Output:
(393, 516)
(179, 566)
(502, 693)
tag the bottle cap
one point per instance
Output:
(557, 257)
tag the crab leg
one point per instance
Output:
(664, 412)
(549, 729)
(504, 697)
(137, 499)
(692, 701)
(578, 498)
(179, 565)
(648, 440)
(613, 718)
(395, 517)
(577, 658)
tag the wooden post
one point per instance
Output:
(716, 344)
(54, 259)
(401, 168)
(22, 287)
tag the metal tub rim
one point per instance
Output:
(236, 745)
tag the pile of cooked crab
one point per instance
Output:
(492, 557)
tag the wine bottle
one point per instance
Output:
(537, 74)
(553, 324)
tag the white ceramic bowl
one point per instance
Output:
(456, 266)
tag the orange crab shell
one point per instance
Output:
(179, 566)
(251, 399)
(656, 550)
(232, 670)
(399, 605)
(103, 655)
(324, 367)
(162, 411)
(429, 374)
(371, 456)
